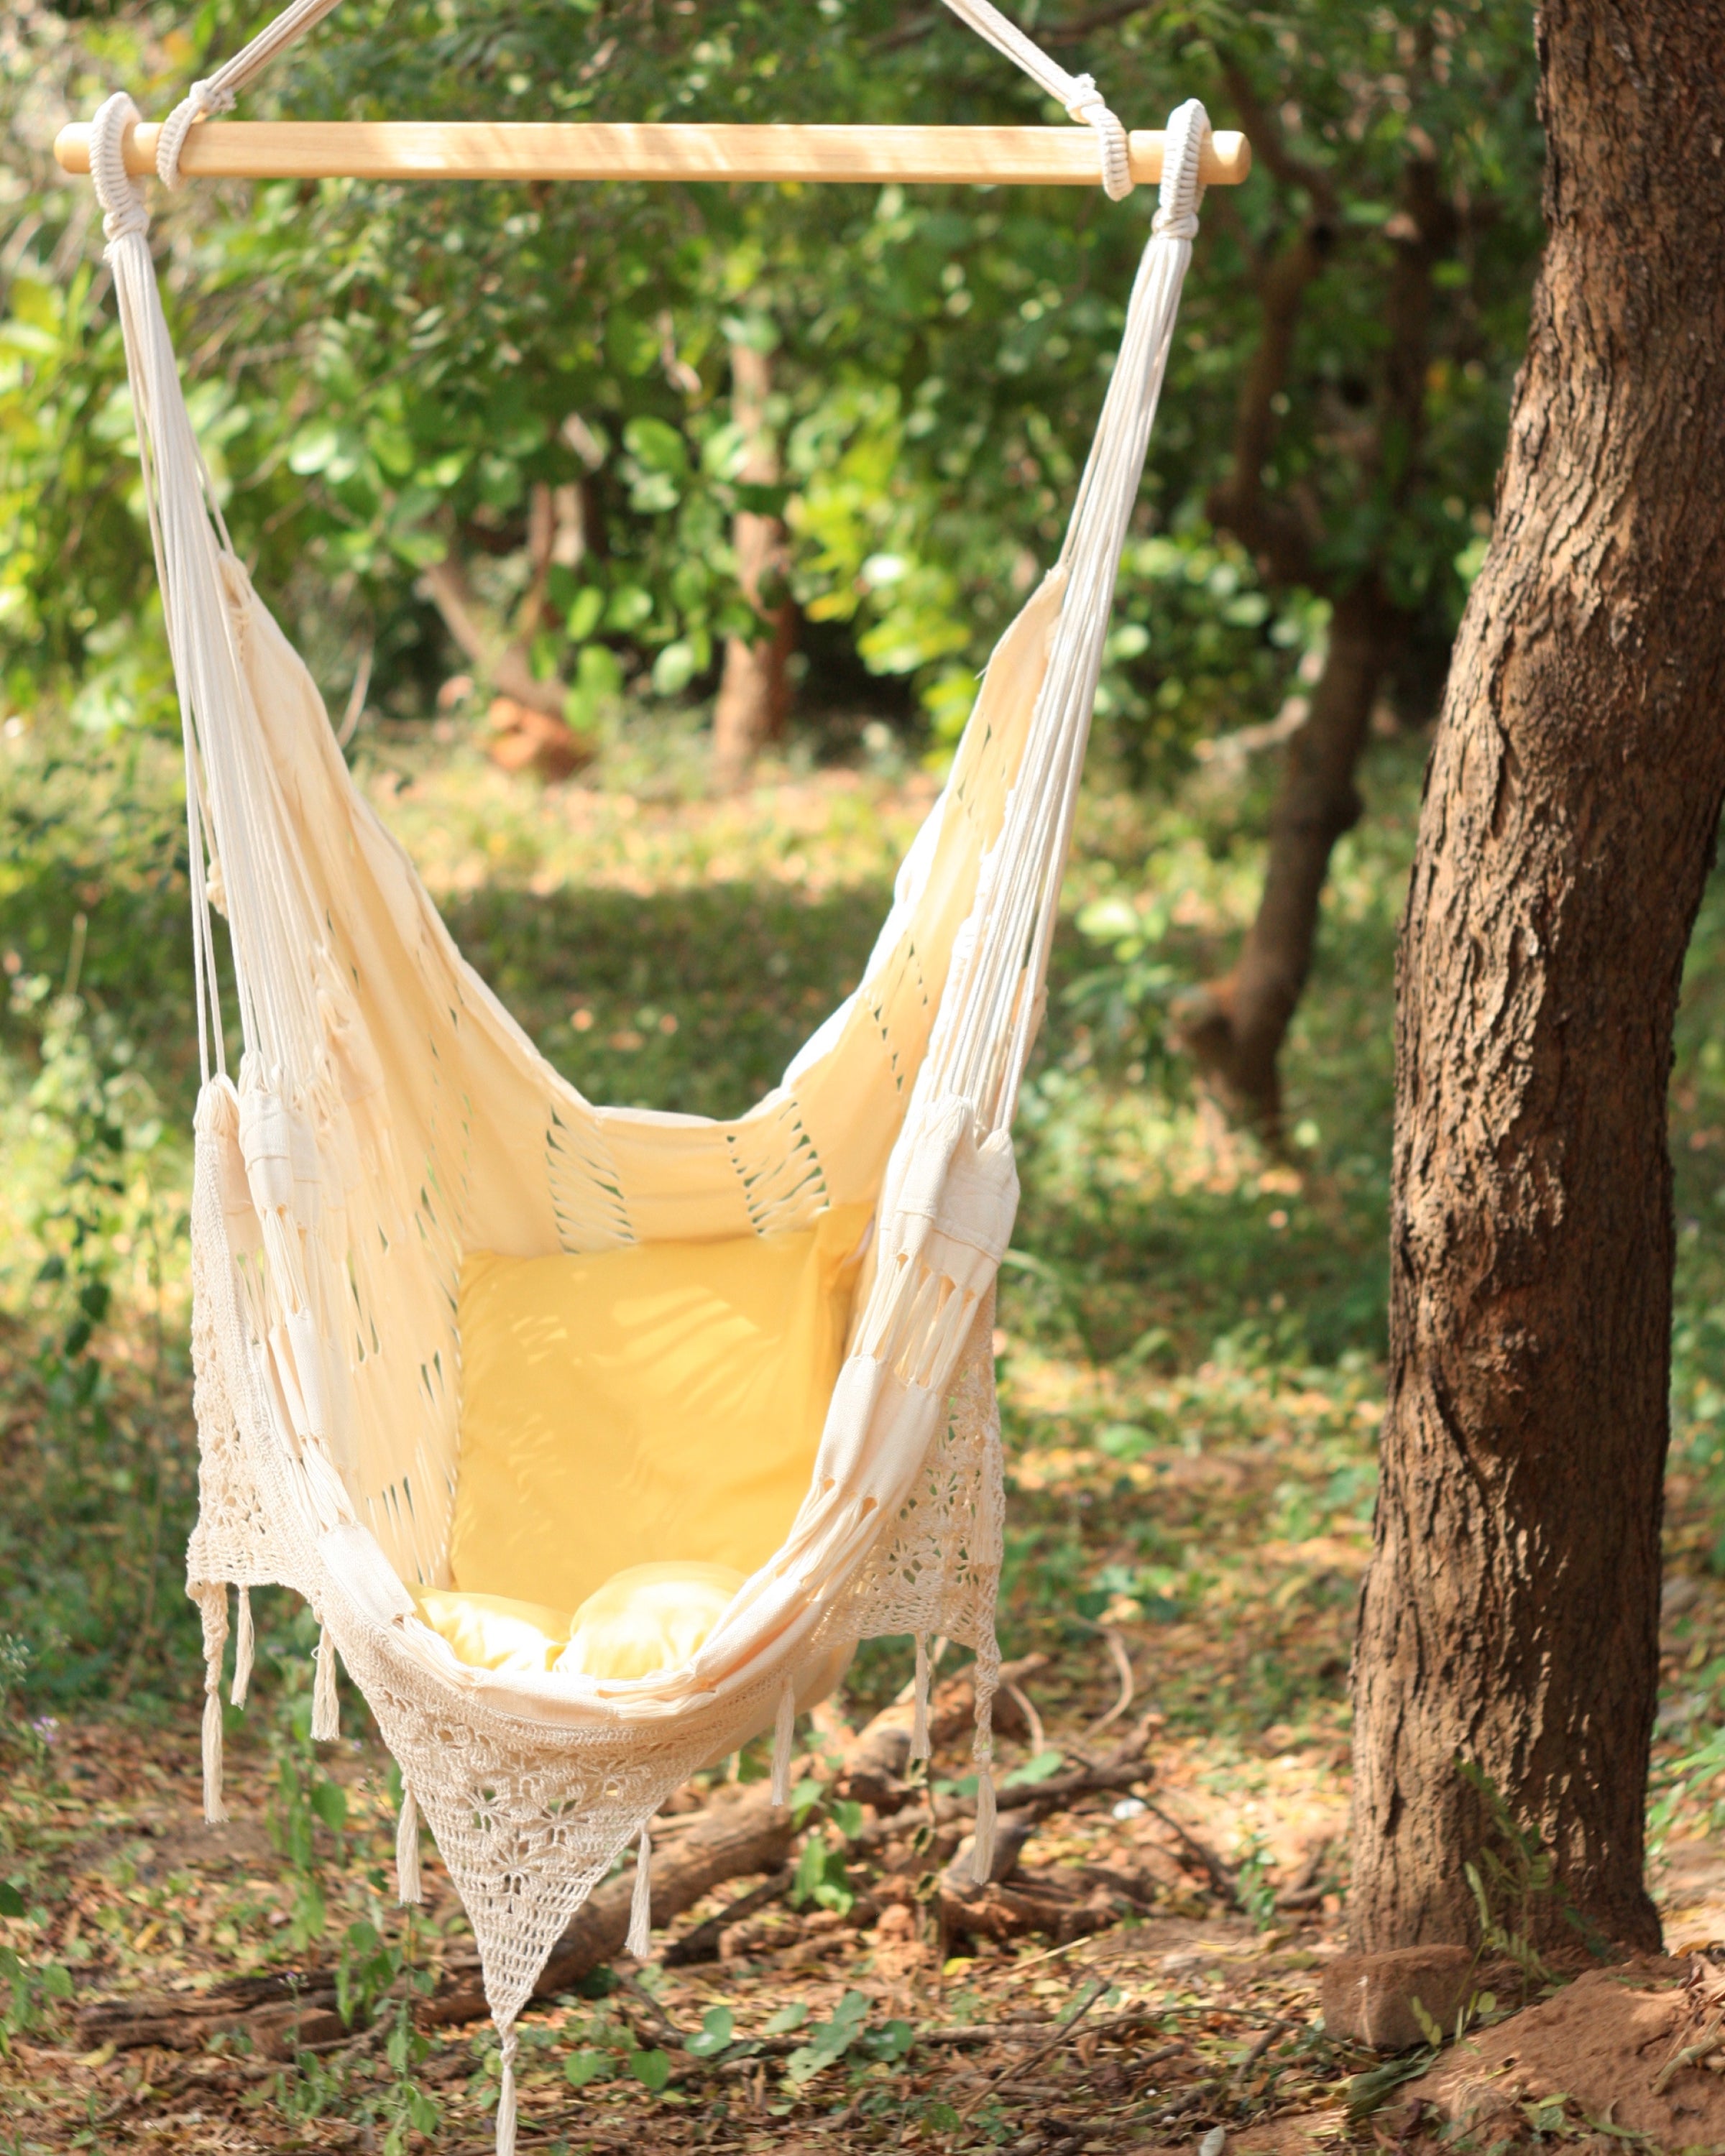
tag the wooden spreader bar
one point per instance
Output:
(482, 150)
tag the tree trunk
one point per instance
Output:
(1509, 1615)
(1235, 1026)
(754, 688)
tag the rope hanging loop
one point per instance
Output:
(124, 210)
(1182, 191)
(1093, 110)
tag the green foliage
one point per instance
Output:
(383, 375)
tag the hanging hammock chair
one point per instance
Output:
(395, 1166)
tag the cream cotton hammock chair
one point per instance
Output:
(390, 1119)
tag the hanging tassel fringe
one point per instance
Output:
(407, 1851)
(982, 1751)
(212, 1608)
(783, 1729)
(242, 1649)
(214, 1810)
(505, 2097)
(919, 1712)
(982, 1855)
(639, 1943)
(326, 1719)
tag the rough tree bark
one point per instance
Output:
(754, 687)
(1510, 1613)
(1236, 1026)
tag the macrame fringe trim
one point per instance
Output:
(639, 1943)
(326, 1717)
(407, 1851)
(505, 2097)
(242, 1649)
(784, 1729)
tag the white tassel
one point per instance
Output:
(242, 1649)
(783, 1729)
(214, 1810)
(919, 1747)
(505, 2097)
(982, 1855)
(407, 1851)
(325, 1720)
(212, 1608)
(982, 1752)
(639, 1943)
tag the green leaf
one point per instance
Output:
(675, 668)
(1044, 1766)
(329, 1800)
(581, 2067)
(584, 612)
(660, 447)
(12, 1902)
(717, 2027)
(788, 2018)
(651, 2069)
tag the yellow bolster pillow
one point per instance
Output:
(648, 1618)
(490, 1632)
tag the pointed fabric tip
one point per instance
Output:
(982, 1855)
(407, 1851)
(783, 1729)
(639, 1943)
(919, 1747)
(242, 1649)
(326, 1719)
(505, 2097)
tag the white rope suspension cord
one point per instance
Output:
(230, 784)
(1076, 93)
(987, 1037)
(216, 93)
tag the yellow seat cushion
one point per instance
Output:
(658, 1403)
(649, 1618)
(490, 1632)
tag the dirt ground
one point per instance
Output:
(1193, 2007)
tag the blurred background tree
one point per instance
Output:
(576, 451)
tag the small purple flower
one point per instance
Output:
(46, 1728)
